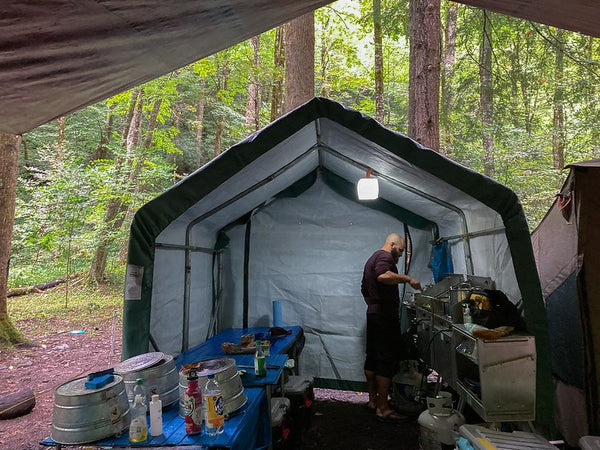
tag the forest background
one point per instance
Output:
(515, 100)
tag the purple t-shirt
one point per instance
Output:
(386, 296)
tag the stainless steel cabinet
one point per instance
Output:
(496, 377)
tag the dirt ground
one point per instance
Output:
(341, 419)
(54, 356)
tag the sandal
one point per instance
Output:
(371, 407)
(392, 417)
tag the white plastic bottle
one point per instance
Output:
(138, 427)
(214, 420)
(139, 389)
(467, 315)
(156, 424)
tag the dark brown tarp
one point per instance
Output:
(57, 56)
(566, 246)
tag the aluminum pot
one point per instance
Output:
(84, 415)
(160, 378)
(226, 374)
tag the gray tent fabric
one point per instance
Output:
(272, 219)
(566, 247)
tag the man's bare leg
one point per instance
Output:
(372, 386)
(383, 389)
(383, 411)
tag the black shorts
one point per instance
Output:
(383, 338)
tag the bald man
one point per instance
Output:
(379, 288)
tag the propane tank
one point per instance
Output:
(439, 423)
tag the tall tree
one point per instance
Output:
(487, 95)
(9, 149)
(558, 120)
(101, 151)
(447, 99)
(224, 75)
(423, 90)
(299, 38)
(278, 72)
(117, 207)
(200, 123)
(252, 103)
(378, 39)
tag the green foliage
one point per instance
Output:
(65, 191)
(84, 301)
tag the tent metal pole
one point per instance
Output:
(215, 320)
(471, 234)
(185, 338)
(184, 247)
(188, 232)
(458, 211)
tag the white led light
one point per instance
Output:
(367, 188)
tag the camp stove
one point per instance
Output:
(435, 309)
(443, 297)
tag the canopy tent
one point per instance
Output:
(276, 217)
(61, 55)
(566, 246)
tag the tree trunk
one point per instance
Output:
(558, 131)
(17, 404)
(200, 124)
(324, 88)
(9, 170)
(152, 122)
(447, 101)
(424, 73)
(486, 96)
(61, 131)
(101, 152)
(219, 135)
(116, 209)
(299, 61)
(278, 70)
(132, 104)
(377, 37)
(252, 103)
(221, 117)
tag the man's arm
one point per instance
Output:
(390, 277)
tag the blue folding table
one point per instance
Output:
(250, 428)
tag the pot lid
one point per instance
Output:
(139, 362)
(77, 387)
(210, 366)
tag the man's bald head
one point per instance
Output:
(395, 239)
(394, 244)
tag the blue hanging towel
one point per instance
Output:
(441, 261)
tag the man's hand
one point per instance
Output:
(415, 284)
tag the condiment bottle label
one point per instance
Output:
(214, 410)
(260, 369)
(192, 410)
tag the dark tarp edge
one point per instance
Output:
(173, 202)
(517, 234)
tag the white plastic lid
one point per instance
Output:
(155, 397)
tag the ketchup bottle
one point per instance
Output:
(192, 404)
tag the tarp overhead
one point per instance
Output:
(58, 56)
(566, 247)
(276, 217)
(582, 16)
